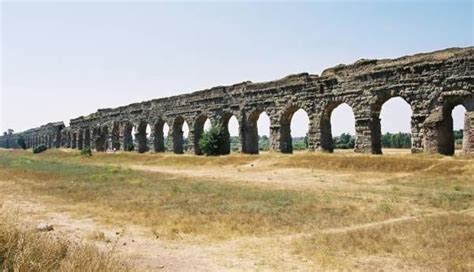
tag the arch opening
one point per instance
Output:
(74, 141)
(161, 130)
(149, 137)
(141, 138)
(180, 135)
(338, 119)
(128, 138)
(87, 138)
(257, 133)
(450, 137)
(395, 124)
(200, 125)
(459, 121)
(231, 130)
(101, 138)
(115, 137)
(80, 139)
(294, 127)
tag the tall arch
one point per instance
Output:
(458, 114)
(286, 123)
(445, 139)
(115, 136)
(395, 115)
(325, 127)
(230, 128)
(159, 141)
(74, 140)
(87, 138)
(127, 137)
(177, 135)
(198, 132)
(251, 132)
(141, 137)
(80, 139)
(101, 138)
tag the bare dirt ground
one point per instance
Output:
(147, 252)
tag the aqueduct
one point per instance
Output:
(432, 83)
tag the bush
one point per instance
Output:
(40, 148)
(212, 140)
(86, 152)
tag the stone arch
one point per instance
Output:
(326, 143)
(115, 136)
(159, 144)
(127, 138)
(74, 140)
(250, 132)
(80, 139)
(199, 122)
(141, 137)
(149, 135)
(444, 137)
(376, 110)
(286, 139)
(101, 135)
(46, 140)
(374, 124)
(224, 121)
(177, 135)
(87, 137)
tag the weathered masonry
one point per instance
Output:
(432, 83)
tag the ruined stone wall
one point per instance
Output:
(48, 135)
(432, 83)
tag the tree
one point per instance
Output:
(212, 140)
(344, 141)
(40, 148)
(264, 143)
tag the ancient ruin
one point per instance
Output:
(432, 83)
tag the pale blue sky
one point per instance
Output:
(63, 60)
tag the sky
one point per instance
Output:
(61, 60)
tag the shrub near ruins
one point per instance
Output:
(40, 148)
(212, 140)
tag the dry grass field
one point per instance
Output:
(306, 211)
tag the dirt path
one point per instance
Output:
(149, 253)
(284, 178)
(392, 221)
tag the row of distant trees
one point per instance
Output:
(347, 141)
